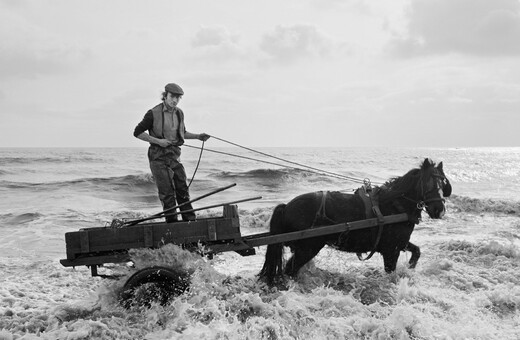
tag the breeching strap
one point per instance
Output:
(321, 214)
(380, 224)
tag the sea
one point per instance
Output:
(465, 286)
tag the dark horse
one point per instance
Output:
(422, 188)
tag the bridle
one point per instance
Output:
(422, 204)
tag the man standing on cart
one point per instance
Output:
(166, 133)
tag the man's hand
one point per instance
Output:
(147, 138)
(203, 137)
(163, 142)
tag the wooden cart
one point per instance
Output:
(94, 247)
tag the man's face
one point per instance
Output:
(173, 99)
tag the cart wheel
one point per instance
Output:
(159, 284)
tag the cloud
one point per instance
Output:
(12, 3)
(216, 44)
(282, 45)
(29, 51)
(30, 61)
(358, 6)
(475, 27)
(290, 43)
(213, 36)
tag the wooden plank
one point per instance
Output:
(96, 260)
(320, 231)
(230, 211)
(84, 242)
(212, 230)
(148, 236)
(71, 240)
(94, 240)
(224, 247)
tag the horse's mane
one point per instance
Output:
(398, 186)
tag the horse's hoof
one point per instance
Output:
(281, 284)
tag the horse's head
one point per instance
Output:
(433, 186)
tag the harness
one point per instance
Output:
(370, 197)
(371, 201)
(423, 203)
(321, 214)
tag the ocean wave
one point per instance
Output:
(487, 267)
(50, 160)
(486, 205)
(259, 174)
(481, 248)
(10, 219)
(280, 176)
(106, 183)
(4, 172)
(141, 180)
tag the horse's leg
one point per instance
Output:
(416, 253)
(390, 260)
(304, 251)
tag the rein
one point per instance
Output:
(198, 162)
(290, 165)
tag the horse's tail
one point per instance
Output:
(273, 264)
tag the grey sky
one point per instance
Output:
(269, 73)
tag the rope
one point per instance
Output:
(290, 162)
(305, 167)
(315, 170)
(272, 163)
(198, 162)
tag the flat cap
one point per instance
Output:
(173, 89)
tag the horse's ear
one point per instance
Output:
(440, 166)
(427, 163)
(446, 190)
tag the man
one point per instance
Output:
(166, 133)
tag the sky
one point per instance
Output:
(297, 73)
